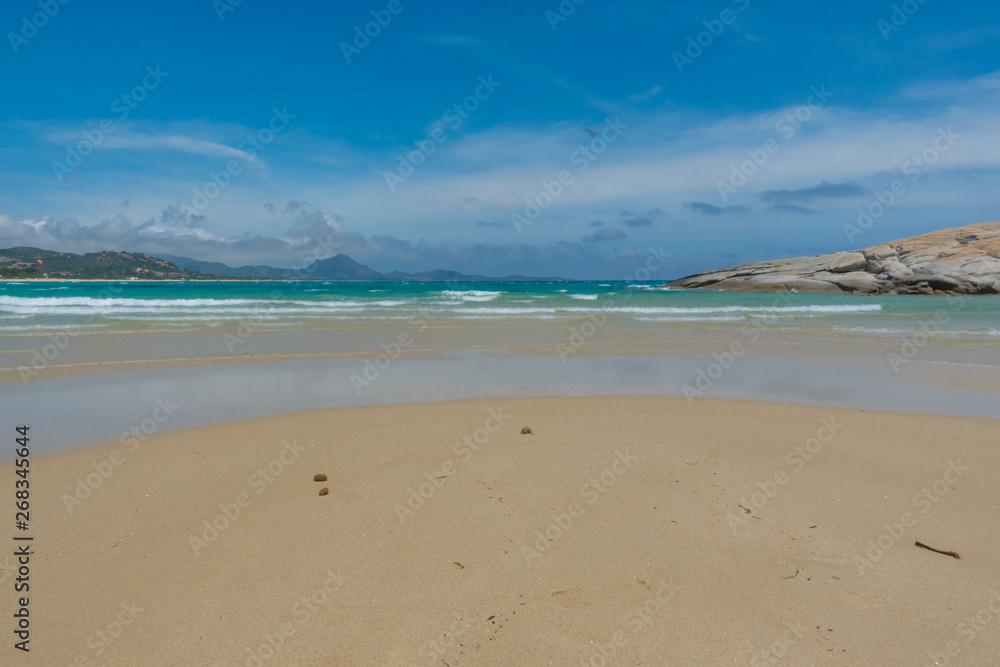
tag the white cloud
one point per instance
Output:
(662, 160)
(127, 140)
(647, 95)
(145, 136)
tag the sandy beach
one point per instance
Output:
(620, 531)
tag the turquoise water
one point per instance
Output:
(28, 308)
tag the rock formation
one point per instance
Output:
(960, 260)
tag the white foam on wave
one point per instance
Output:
(780, 310)
(506, 311)
(62, 301)
(719, 318)
(470, 292)
(11, 305)
(472, 295)
(51, 311)
(908, 331)
(745, 310)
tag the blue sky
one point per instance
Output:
(540, 138)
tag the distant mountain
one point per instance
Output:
(219, 269)
(23, 262)
(338, 267)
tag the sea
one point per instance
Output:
(42, 308)
(83, 362)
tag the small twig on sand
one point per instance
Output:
(938, 551)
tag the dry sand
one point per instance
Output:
(611, 535)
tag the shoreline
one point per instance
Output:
(92, 408)
(40, 355)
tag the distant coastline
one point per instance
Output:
(26, 263)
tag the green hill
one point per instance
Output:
(22, 262)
